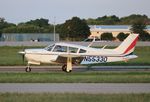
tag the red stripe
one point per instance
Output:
(132, 45)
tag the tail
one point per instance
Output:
(128, 45)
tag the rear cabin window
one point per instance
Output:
(82, 51)
(73, 50)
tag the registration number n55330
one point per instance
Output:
(95, 59)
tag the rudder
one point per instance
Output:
(128, 45)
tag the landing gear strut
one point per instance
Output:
(64, 68)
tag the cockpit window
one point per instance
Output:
(73, 50)
(50, 47)
(82, 51)
(59, 48)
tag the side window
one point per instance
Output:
(82, 51)
(59, 48)
(73, 50)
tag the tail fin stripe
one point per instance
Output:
(131, 46)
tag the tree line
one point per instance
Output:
(78, 29)
(138, 27)
(114, 20)
(33, 26)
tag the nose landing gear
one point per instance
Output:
(28, 69)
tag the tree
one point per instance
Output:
(39, 22)
(121, 36)
(4, 24)
(139, 27)
(0, 33)
(104, 20)
(134, 18)
(113, 20)
(107, 36)
(75, 29)
(2, 19)
(35, 26)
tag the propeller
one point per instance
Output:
(23, 55)
(23, 58)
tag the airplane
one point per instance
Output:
(71, 54)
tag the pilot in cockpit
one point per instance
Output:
(59, 48)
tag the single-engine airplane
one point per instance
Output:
(71, 54)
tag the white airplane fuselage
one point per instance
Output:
(38, 56)
(68, 54)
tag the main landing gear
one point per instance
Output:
(64, 68)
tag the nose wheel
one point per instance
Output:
(28, 69)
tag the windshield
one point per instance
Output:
(50, 47)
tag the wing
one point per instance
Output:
(69, 59)
(75, 60)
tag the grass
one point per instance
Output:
(72, 97)
(10, 56)
(80, 77)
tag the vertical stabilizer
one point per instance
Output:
(128, 45)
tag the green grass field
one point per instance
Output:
(79, 77)
(71, 97)
(10, 56)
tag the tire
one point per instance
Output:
(69, 71)
(64, 67)
(28, 69)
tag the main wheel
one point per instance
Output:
(64, 67)
(28, 69)
(68, 71)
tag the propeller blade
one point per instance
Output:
(23, 55)
(23, 58)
